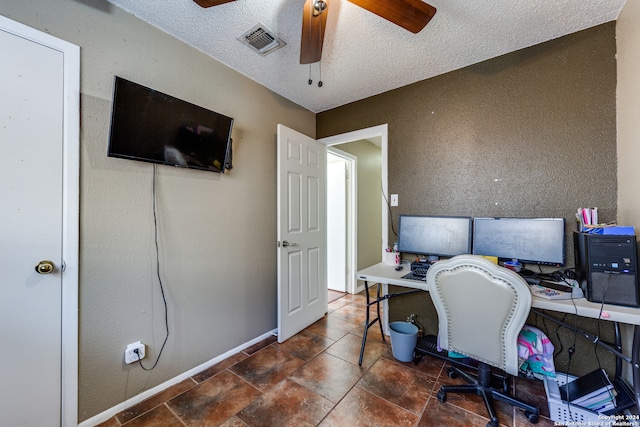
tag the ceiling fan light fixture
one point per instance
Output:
(261, 39)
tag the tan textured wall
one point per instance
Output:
(628, 103)
(531, 133)
(216, 233)
(628, 96)
(369, 200)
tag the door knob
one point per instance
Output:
(45, 267)
(285, 244)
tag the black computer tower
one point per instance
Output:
(606, 268)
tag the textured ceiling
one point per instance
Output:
(363, 54)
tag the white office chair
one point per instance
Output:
(481, 308)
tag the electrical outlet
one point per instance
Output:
(394, 200)
(130, 355)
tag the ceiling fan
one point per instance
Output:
(210, 3)
(412, 15)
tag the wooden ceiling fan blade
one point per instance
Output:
(313, 25)
(210, 3)
(412, 15)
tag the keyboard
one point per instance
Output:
(554, 290)
(420, 271)
(548, 293)
(412, 276)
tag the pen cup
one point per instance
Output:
(392, 258)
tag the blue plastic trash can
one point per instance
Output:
(404, 337)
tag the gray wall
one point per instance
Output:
(530, 133)
(217, 233)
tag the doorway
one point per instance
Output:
(302, 150)
(341, 223)
(370, 213)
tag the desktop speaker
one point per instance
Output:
(606, 268)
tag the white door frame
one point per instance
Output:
(70, 211)
(352, 215)
(380, 131)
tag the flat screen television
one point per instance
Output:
(528, 240)
(434, 235)
(154, 127)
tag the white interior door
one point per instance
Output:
(33, 131)
(302, 285)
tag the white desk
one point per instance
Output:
(387, 275)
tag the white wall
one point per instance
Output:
(336, 223)
(216, 232)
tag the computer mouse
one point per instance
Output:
(398, 268)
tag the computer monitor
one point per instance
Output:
(434, 235)
(528, 240)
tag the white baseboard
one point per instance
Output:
(104, 416)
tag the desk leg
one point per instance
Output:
(367, 323)
(378, 298)
(635, 365)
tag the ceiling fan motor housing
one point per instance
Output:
(319, 6)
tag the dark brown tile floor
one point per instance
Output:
(313, 379)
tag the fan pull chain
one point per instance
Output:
(320, 62)
(319, 75)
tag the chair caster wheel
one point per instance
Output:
(492, 424)
(451, 373)
(442, 396)
(532, 417)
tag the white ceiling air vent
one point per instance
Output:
(261, 39)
